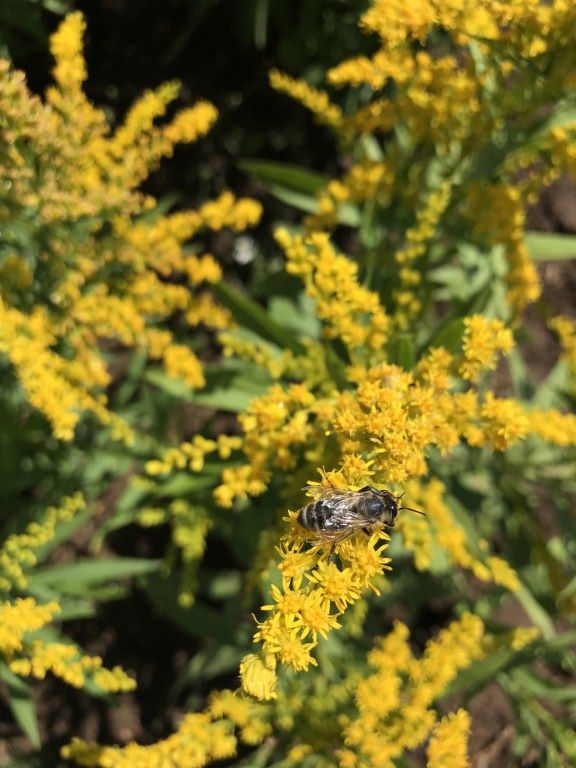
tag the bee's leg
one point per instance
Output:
(337, 541)
(367, 531)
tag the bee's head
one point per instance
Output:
(383, 504)
(391, 509)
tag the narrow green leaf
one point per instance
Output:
(448, 335)
(549, 246)
(163, 205)
(183, 483)
(90, 571)
(544, 688)
(297, 187)
(199, 620)
(401, 351)
(251, 315)
(226, 389)
(547, 394)
(287, 175)
(63, 532)
(474, 677)
(535, 611)
(212, 662)
(125, 512)
(20, 701)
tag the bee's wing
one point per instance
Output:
(341, 512)
(323, 492)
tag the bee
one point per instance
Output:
(336, 514)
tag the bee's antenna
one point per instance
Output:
(411, 509)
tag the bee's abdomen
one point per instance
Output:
(313, 516)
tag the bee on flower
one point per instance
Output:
(335, 513)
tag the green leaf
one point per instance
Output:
(183, 483)
(299, 317)
(212, 662)
(62, 533)
(199, 620)
(548, 246)
(448, 335)
(79, 576)
(535, 611)
(20, 701)
(401, 351)
(125, 512)
(289, 176)
(248, 313)
(547, 394)
(227, 388)
(297, 187)
(544, 688)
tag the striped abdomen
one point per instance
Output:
(317, 517)
(314, 516)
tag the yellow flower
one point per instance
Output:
(316, 101)
(394, 21)
(258, 675)
(448, 745)
(22, 616)
(394, 701)
(338, 586)
(18, 552)
(66, 47)
(566, 330)
(350, 311)
(364, 558)
(112, 278)
(483, 339)
(504, 421)
(315, 617)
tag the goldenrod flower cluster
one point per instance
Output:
(19, 617)
(200, 738)
(189, 525)
(417, 238)
(375, 423)
(379, 422)
(192, 455)
(25, 653)
(448, 745)
(67, 662)
(565, 327)
(393, 702)
(18, 554)
(366, 715)
(482, 340)
(458, 146)
(350, 311)
(30, 656)
(314, 593)
(440, 531)
(94, 268)
(318, 102)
